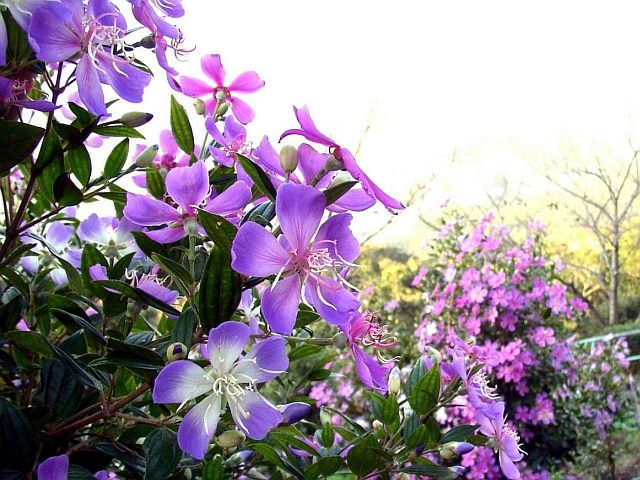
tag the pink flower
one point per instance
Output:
(220, 93)
(504, 441)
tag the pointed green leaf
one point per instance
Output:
(324, 467)
(181, 127)
(162, 454)
(77, 321)
(65, 192)
(81, 373)
(184, 328)
(80, 163)
(458, 433)
(417, 372)
(32, 341)
(59, 390)
(18, 141)
(425, 393)
(364, 457)
(334, 193)
(11, 312)
(155, 182)
(17, 441)
(117, 131)
(178, 273)
(220, 290)
(259, 177)
(139, 295)
(220, 230)
(116, 159)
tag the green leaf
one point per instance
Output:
(78, 473)
(269, 454)
(17, 442)
(213, 470)
(74, 280)
(117, 131)
(327, 438)
(128, 355)
(148, 246)
(184, 328)
(417, 372)
(334, 193)
(59, 390)
(81, 373)
(77, 321)
(116, 159)
(425, 393)
(18, 48)
(18, 141)
(181, 127)
(178, 273)
(259, 177)
(364, 457)
(324, 467)
(65, 191)
(80, 163)
(155, 182)
(11, 312)
(32, 341)
(220, 289)
(389, 412)
(219, 229)
(162, 454)
(434, 471)
(458, 434)
(138, 295)
(304, 351)
(82, 115)
(69, 133)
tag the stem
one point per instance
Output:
(107, 411)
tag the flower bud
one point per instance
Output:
(451, 450)
(333, 164)
(339, 340)
(176, 351)
(146, 157)
(377, 425)
(134, 308)
(146, 42)
(230, 439)
(222, 110)
(135, 119)
(289, 158)
(433, 354)
(191, 226)
(395, 382)
(198, 106)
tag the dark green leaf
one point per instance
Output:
(155, 182)
(148, 246)
(327, 439)
(32, 341)
(213, 470)
(11, 312)
(128, 457)
(434, 471)
(139, 295)
(17, 442)
(59, 390)
(74, 280)
(324, 467)
(83, 116)
(81, 373)
(458, 434)
(65, 192)
(70, 133)
(220, 290)
(364, 457)
(18, 48)
(389, 412)
(18, 141)
(304, 351)
(417, 372)
(181, 127)
(77, 321)
(219, 229)
(116, 159)
(117, 131)
(179, 274)
(259, 177)
(50, 150)
(184, 328)
(425, 393)
(78, 473)
(162, 454)
(334, 193)
(80, 163)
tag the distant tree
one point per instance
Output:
(605, 195)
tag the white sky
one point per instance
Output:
(431, 77)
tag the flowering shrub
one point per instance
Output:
(506, 296)
(161, 341)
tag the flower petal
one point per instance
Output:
(225, 344)
(265, 361)
(254, 415)
(179, 382)
(256, 252)
(54, 468)
(212, 67)
(246, 82)
(199, 425)
(280, 304)
(194, 87)
(147, 211)
(188, 186)
(241, 110)
(336, 229)
(299, 209)
(234, 198)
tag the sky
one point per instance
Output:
(416, 86)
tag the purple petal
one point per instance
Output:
(370, 372)
(58, 235)
(337, 230)
(310, 161)
(128, 81)
(253, 414)
(92, 229)
(299, 209)
(188, 186)
(333, 302)
(231, 200)
(54, 468)
(268, 157)
(4, 41)
(159, 292)
(308, 128)
(212, 67)
(225, 344)
(294, 412)
(179, 382)
(241, 110)
(89, 87)
(280, 304)
(49, 30)
(147, 211)
(256, 252)
(98, 272)
(167, 234)
(194, 87)
(199, 425)
(507, 466)
(265, 361)
(355, 200)
(247, 82)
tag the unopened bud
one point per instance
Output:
(146, 157)
(135, 119)
(134, 308)
(451, 450)
(395, 382)
(333, 164)
(433, 354)
(339, 340)
(146, 42)
(191, 226)
(222, 110)
(289, 158)
(176, 351)
(198, 106)
(340, 178)
(377, 425)
(230, 439)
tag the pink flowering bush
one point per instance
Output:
(507, 299)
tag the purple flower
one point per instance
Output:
(219, 94)
(57, 468)
(503, 440)
(299, 259)
(13, 91)
(90, 35)
(189, 189)
(21, 12)
(231, 380)
(309, 131)
(113, 235)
